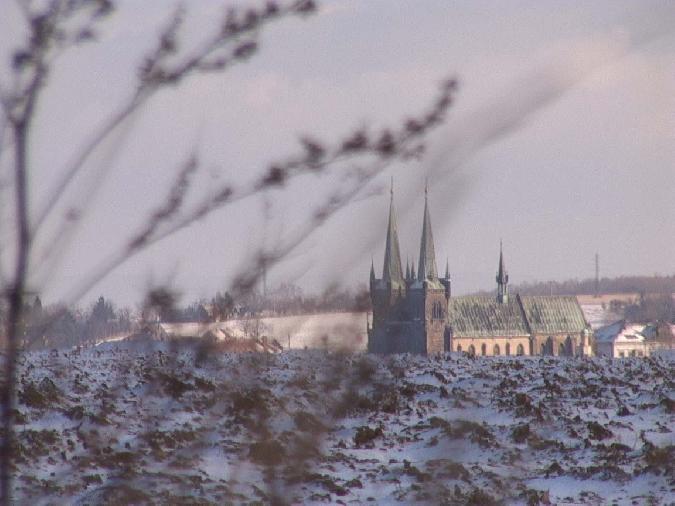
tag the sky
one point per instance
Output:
(560, 143)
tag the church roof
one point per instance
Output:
(553, 314)
(483, 316)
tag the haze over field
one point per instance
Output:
(560, 142)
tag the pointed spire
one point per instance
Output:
(502, 278)
(407, 268)
(427, 265)
(412, 270)
(447, 268)
(392, 271)
(372, 271)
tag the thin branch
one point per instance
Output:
(155, 74)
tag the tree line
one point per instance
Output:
(621, 284)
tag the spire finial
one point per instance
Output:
(391, 189)
(426, 187)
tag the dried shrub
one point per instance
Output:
(597, 431)
(365, 435)
(267, 453)
(520, 433)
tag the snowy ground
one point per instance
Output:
(598, 316)
(118, 425)
(312, 331)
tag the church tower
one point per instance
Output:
(430, 291)
(388, 293)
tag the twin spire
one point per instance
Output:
(393, 271)
(427, 266)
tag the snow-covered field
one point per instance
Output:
(123, 425)
(313, 330)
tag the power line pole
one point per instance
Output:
(597, 275)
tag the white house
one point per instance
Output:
(619, 340)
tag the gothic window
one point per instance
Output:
(436, 311)
(507, 349)
(472, 350)
(459, 348)
(561, 350)
(483, 349)
(520, 350)
(495, 350)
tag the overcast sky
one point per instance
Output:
(561, 142)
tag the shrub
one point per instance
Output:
(365, 435)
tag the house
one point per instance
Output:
(621, 339)
(659, 337)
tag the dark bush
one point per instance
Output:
(365, 435)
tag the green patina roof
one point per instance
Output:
(481, 316)
(553, 314)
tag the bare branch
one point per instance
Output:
(156, 73)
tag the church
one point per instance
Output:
(415, 312)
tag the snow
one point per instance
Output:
(161, 424)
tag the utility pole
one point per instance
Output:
(597, 275)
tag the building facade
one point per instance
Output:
(415, 312)
(620, 340)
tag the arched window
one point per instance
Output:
(495, 350)
(472, 350)
(561, 350)
(459, 348)
(520, 350)
(483, 349)
(570, 348)
(436, 311)
(507, 349)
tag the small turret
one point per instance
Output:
(502, 279)
(446, 282)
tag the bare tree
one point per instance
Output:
(55, 26)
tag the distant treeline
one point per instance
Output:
(622, 284)
(58, 326)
